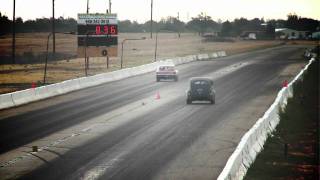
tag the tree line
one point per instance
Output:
(200, 24)
(38, 25)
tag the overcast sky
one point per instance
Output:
(139, 10)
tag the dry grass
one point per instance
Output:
(36, 43)
(20, 76)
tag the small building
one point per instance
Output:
(211, 34)
(286, 33)
(316, 35)
(252, 35)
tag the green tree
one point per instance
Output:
(226, 29)
(5, 25)
(202, 24)
(292, 21)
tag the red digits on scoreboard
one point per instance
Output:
(106, 29)
(98, 30)
(113, 30)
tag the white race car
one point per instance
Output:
(166, 72)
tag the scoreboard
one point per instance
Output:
(97, 35)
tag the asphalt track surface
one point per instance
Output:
(152, 138)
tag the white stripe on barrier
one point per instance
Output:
(252, 142)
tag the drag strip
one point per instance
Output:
(120, 131)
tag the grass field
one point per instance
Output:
(20, 76)
(293, 150)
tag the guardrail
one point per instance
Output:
(252, 142)
(30, 95)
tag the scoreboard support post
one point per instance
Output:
(97, 36)
(107, 61)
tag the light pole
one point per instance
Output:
(53, 29)
(46, 61)
(87, 6)
(156, 48)
(151, 19)
(14, 33)
(122, 43)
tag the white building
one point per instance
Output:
(286, 33)
(316, 35)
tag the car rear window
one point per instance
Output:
(166, 68)
(201, 83)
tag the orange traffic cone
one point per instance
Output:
(157, 95)
(285, 83)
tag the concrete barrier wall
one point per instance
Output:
(47, 91)
(30, 95)
(70, 85)
(202, 57)
(211, 56)
(23, 97)
(6, 101)
(252, 142)
(221, 54)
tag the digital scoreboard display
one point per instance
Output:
(97, 32)
(98, 29)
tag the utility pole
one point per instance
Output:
(151, 18)
(156, 48)
(53, 30)
(14, 33)
(87, 6)
(179, 26)
(86, 58)
(110, 6)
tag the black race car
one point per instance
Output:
(201, 89)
